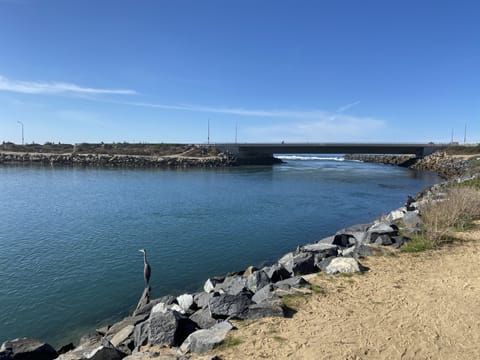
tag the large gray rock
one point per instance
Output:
(382, 239)
(344, 240)
(145, 310)
(103, 350)
(412, 219)
(381, 228)
(185, 301)
(257, 280)
(201, 299)
(294, 282)
(342, 265)
(328, 249)
(131, 320)
(322, 265)
(354, 228)
(211, 283)
(232, 285)
(327, 240)
(27, 348)
(140, 334)
(379, 233)
(320, 252)
(350, 251)
(274, 308)
(170, 328)
(203, 340)
(396, 215)
(225, 306)
(264, 294)
(167, 299)
(163, 308)
(203, 318)
(286, 258)
(361, 251)
(153, 355)
(277, 272)
(65, 348)
(353, 235)
(124, 340)
(298, 263)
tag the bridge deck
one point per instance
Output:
(258, 151)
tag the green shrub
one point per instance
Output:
(229, 342)
(417, 244)
(473, 183)
(293, 301)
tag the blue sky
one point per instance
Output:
(297, 71)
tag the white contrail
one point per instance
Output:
(31, 87)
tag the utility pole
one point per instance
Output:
(451, 141)
(21, 123)
(236, 132)
(465, 135)
(208, 131)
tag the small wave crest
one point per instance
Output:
(307, 158)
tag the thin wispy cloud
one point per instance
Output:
(292, 125)
(273, 113)
(32, 87)
(324, 128)
(347, 107)
(305, 125)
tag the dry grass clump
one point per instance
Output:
(457, 211)
(462, 150)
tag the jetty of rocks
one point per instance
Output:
(114, 161)
(444, 165)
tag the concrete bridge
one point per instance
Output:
(262, 153)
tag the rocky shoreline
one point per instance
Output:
(444, 165)
(196, 323)
(114, 161)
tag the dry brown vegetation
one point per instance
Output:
(463, 149)
(457, 211)
(115, 149)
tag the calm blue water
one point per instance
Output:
(69, 238)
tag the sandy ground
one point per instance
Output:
(408, 306)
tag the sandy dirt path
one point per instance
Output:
(408, 306)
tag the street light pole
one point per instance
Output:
(21, 123)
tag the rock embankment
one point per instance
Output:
(443, 164)
(398, 160)
(114, 161)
